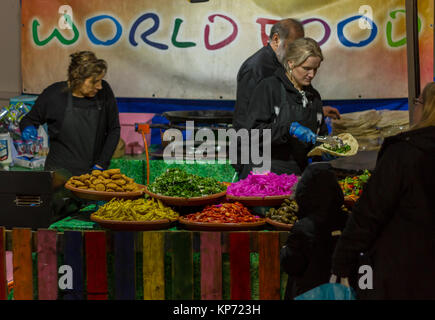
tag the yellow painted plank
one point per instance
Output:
(153, 265)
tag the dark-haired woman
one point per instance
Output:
(82, 118)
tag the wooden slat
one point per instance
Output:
(413, 56)
(153, 267)
(182, 265)
(225, 242)
(96, 265)
(240, 266)
(253, 240)
(47, 265)
(73, 257)
(124, 271)
(22, 261)
(269, 265)
(211, 266)
(3, 279)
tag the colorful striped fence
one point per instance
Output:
(172, 265)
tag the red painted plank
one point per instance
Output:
(96, 266)
(3, 280)
(47, 265)
(269, 271)
(22, 261)
(240, 266)
(211, 266)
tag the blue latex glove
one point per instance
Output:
(302, 133)
(328, 157)
(97, 168)
(29, 133)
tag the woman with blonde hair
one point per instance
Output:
(392, 227)
(288, 105)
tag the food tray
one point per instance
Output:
(268, 201)
(210, 226)
(104, 195)
(190, 202)
(279, 225)
(133, 225)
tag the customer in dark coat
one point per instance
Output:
(393, 223)
(306, 257)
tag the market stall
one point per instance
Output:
(187, 229)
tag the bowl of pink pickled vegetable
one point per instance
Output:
(259, 190)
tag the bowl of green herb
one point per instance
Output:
(176, 187)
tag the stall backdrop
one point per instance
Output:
(175, 49)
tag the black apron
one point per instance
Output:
(308, 117)
(71, 153)
(73, 149)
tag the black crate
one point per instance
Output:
(26, 198)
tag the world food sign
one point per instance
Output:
(173, 49)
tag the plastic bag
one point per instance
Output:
(329, 291)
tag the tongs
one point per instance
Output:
(333, 141)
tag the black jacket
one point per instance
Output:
(393, 222)
(50, 108)
(306, 257)
(275, 104)
(257, 67)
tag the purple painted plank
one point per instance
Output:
(47, 265)
(3, 282)
(211, 266)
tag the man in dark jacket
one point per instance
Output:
(393, 222)
(306, 257)
(263, 64)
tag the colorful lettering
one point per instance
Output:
(90, 22)
(263, 22)
(347, 43)
(224, 42)
(401, 42)
(177, 44)
(325, 26)
(145, 35)
(54, 34)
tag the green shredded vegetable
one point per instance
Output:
(178, 183)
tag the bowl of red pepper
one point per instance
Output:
(222, 217)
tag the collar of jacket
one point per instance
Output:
(280, 73)
(272, 54)
(423, 139)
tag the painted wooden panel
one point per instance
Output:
(269, 265)
(3, 280)
(73, 257)
(153, 266)
(124, 271)
(182, 265)
(211, 266)
(96, 265)
(47, 265)
(240, 266)
(22, 262)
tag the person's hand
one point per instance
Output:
(302, 133)
(331, 112)
(328, 157)
(97, 167)
(29, 133)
